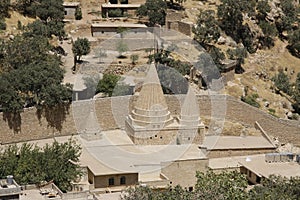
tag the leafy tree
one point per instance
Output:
(49, 10)
(226, 185)
(263, 8)
(289, 17)
(31, 164)
(282, 82)
(206, 29)
(276, 187)
(81, 47)
(78, 13)
(37, 28)
(230, 13)
(296, 94)
(238, 54)
(217, 56)
(4, 8)
(107, 84)
(30, 75)
(155, 10)
(121, 48)
(294, 43)
(2, 24)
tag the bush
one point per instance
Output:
(78, 14)
(2, 25)
(115, 13)
(251, 100)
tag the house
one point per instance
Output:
(9, 189)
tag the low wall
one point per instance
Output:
(111, 113)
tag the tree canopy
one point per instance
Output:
(155, 10)
(30, 164)
(226, 185)
(81, 47)
(30, 75)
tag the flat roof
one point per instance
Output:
(115, 153)
(236, 142)
(261, 168)
(116, 25)
(230, 162)
(106, 5)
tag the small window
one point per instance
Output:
(249, 174)
(155, 135)
(123, 180)
(102, 32)
(150, 138)
(160, 137)
(66, 12)
(191, 189)
(189, 138)
(111, 181)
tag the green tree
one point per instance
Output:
(81, 47)
(4, 8)
(30, 75)
(155, 10)
(206, 29)
(230, 13)
(294, 43)
(78, 13)
(30, 164)
(238, 54)
(263, 8)
(107, 84)
(226, 185)
(282, 82)
(276, 187)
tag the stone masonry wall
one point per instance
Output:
(111, 113)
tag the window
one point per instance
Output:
(123, 180)
(249, 174)
(191, 189)
(111, 181)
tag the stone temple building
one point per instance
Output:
(151, 123)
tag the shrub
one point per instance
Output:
(251, 100)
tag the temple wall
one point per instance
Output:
(111, 113)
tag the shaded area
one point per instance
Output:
(13, 120)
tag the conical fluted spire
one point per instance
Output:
(190, 109)
(151, 96)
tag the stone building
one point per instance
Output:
(9, 189)
(150, 121)
(70, 9)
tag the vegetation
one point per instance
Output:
(251, 100)
(207, 28)
(282, 82)
(81, 47)
(155, 10)
(78, 13)
(226, 185)
(50, 13)
(26, 69)
(109, 86)
(30, 164)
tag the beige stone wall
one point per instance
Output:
(31, 128)
(183, 172)
(185, 28)
(237, 152)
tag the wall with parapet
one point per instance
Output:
(111, 113)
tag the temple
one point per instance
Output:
(150, 122)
